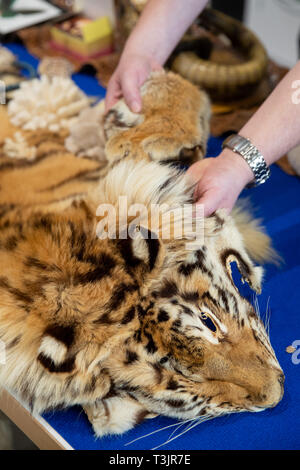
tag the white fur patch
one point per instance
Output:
(140, 248)
(54, 349)
(114, 416)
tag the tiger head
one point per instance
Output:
(137, 325)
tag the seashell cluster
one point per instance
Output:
(18, 148)
(47, 103)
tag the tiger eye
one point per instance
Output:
(163, 360)
(207, 321)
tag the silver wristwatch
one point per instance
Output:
(251, 155)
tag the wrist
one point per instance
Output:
(137, 46)
(240, 168)
(142, 56)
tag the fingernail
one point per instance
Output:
(135, 106)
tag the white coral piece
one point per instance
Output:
(87, 137)
(46, 103)
(18, 148)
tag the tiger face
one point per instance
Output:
(132, 327)
(208, 349)
(212, 336)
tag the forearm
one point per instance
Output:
(275, 127)
(160, 27)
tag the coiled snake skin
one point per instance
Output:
(222, 81)
(225, 81)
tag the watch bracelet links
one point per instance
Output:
(251, 155)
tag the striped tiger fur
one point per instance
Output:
(125, 327)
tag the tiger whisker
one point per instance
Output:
(256, 306)
(189, 427)
(268, 317)
(178, 435)
(193, 425)
(158, 430)
(178, 427)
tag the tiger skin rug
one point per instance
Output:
(128, 327)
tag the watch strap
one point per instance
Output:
(251, 155)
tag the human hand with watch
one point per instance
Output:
(271, 132)
(245, 159)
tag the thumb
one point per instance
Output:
(155, 66)
(209, 201)
(113, 94)
(131, 93)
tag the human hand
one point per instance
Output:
(219, 181)
(132, 71)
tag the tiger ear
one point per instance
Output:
(251, 274)
(231, 247)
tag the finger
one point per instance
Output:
(209, 201)
(113, 94)
(156, 66)
(197, 170)
(132, 94)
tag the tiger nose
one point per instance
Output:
(281, 379)
(275, 391)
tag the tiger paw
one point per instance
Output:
(115, 415)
